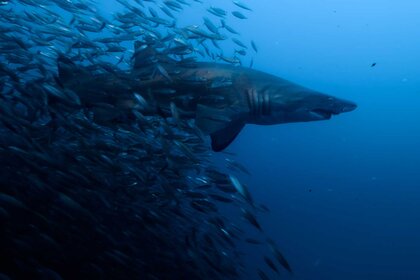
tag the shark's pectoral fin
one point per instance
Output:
(222, 138)
(211, 120)
(223, 125)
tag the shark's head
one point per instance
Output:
(322, 107)
(293, 103)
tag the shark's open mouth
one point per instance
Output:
(322, 113)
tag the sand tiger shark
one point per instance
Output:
(221, 98)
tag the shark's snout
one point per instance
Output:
(327, 110)
(337, 106)
(348, 107)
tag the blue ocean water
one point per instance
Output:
(344, 193)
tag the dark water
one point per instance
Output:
(344, 193)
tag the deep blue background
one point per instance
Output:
(345, 193)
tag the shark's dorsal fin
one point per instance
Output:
(223, 138)
(223, 125)
(146, 55)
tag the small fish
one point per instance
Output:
(167, 12)
(270, 263)
(242, 5)
(373, 64)
(262, 275)
(216, 44)
(228, 28)
(183, 2)
(163, 72)
(217, 11)
(141, 101)
(7, 200)
(279, 256)
(175, 112)
(241, 52)
(239, 15)
(254, 46)
(200, 32)
(241, 189)
(153, 12)
(210, 26)
(231, 60)
(239, 43)
(251, 219)
(162, 21)
(173, 5)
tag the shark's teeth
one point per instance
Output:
(321, 114)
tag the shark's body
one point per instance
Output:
(221, 98)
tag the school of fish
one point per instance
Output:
(89, 191)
